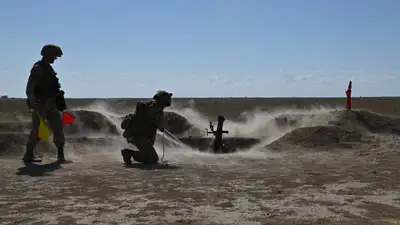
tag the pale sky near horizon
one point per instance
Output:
(220, 48)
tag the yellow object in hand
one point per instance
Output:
(44, 130)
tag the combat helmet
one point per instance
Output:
(51, 50)
(163, 96)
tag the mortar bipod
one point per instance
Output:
(218, 145)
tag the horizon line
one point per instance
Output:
(212, 97)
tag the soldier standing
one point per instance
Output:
(45, 98)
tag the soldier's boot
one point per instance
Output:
(126, 156)
(60, 155)
(30, 157)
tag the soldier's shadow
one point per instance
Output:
(160, 166)
(36, 170)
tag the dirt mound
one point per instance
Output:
(86, 122)
(179, 125)
(14, 135)
(9, 143)
(368, 121)
(13, 144)
(8, 127)
(89, 121)
(318, 137)
(360, 120)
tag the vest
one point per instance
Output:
(48, 86)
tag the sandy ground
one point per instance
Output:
(259, 186)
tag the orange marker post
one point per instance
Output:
(348, 94)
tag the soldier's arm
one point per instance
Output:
(33, 80)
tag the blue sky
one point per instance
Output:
(199, 48)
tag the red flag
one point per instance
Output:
(67, 118)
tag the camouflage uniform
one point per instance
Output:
(141, 128)
(43, 92)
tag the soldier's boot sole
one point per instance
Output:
(126, 156)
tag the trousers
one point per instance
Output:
(54, 119)
(147, 153)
